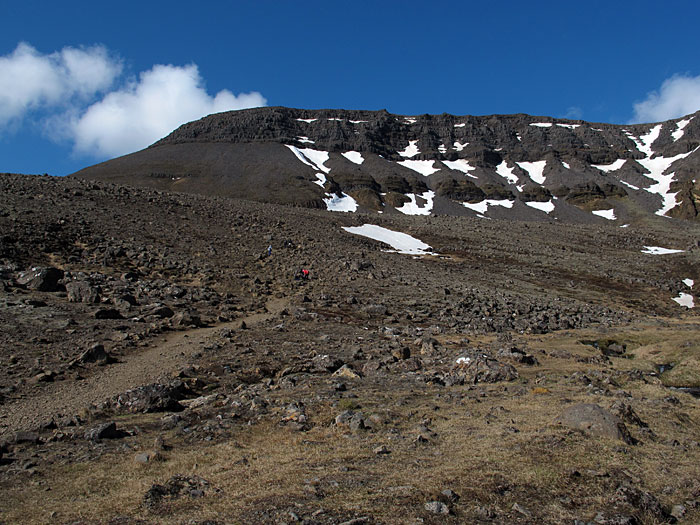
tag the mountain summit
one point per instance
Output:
(499, 166)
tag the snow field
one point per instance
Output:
(535, 170)
(507, 173)
(400, 242)
(685, 299)
(547, 207)
(607, 168)
(460, 165)
(658, 250)
(411, 150)
(424, 167)
(606, 214)
(353, 156)
(412, 208)
(343, 203)
(678, 133)
(483, 206)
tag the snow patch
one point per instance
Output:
(679, 128)
(644, 142)
(305, 140)
(629, 185)
(442, 148)
(318, 158)
(336, 119)
(541, 124)
(685, 299)
(607, 168)
(460, 147)
(507, 173)
(410, 120)
(353, 156)
(606, 214)
(358, 121)
(566, 165)
(460, 165)
(569, 126)
(342, 202)
(547, 207)
(411, 150)
(300, 156)
(400, 242)
(534, 170)
(656, 167)
(658, 250)
(412, 208)
(483, 206)
(689, 283)
(320, 179)
(460, 125)
(424, 167)
(307, 120)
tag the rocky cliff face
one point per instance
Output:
(501, 166)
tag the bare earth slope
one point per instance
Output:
(158, 365)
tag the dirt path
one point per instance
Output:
(139, 368)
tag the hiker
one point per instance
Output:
(304, 273)
(269, 250)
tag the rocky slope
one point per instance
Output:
(159, 365)
(500, 166)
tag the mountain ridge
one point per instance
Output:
(498, 166)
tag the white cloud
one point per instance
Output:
(30, 80)
(678, 96)
(146, 110)
(573, 113)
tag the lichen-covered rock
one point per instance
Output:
(594, 420)
(482, 369)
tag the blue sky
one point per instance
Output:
(81, 82)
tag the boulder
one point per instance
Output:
(153, 398)
(82, 292)
(108, 313)
(594, 420)
(95, 354)
(185, 320)
(482, 369)
(104, 431)
(41, 279)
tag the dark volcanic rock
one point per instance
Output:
(104, 431)
(41, 279)
(153, 398)
(82, 292)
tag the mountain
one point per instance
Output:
(499, 166)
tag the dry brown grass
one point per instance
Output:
(496, 445)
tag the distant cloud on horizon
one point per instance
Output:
(30, 81)
(677, 97)
(146, 110)
(80, 95)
